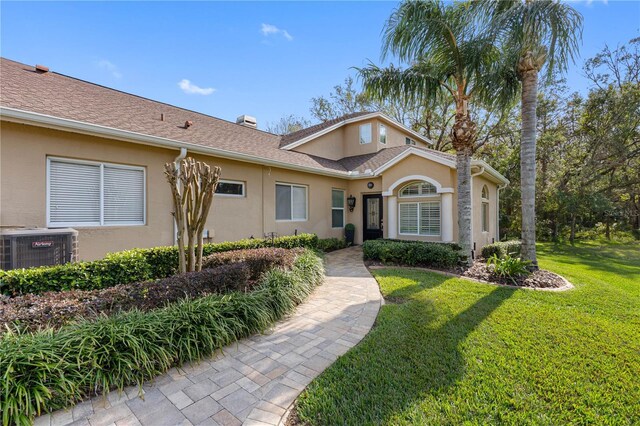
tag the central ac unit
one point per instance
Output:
(26, 248)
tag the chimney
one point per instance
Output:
(42, 69)
(247, 120)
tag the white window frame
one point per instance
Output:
(306, 200)
(382, 129)
(409, 141)
(484, 203)
(344, 201)
(101, 223)
(244, 189)
(439, 234)
(370, 133)
(420, 195)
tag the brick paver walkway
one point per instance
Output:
(254, 381)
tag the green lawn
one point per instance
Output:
(449, 351)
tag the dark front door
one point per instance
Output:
(372, 217)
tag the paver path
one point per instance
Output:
(254, 381)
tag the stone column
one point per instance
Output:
(392, 217)
(446, 205)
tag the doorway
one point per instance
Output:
(371, 216)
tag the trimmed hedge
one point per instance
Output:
(411, 253)
(330, 244)
(236, 270)
(125, 267)
(47, 370)
(502, 248)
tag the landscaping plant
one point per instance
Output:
(48, 370)
(508, 266)
(411, 253)
(502, 249)
(193, 185)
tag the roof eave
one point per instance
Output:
(48, 121)
(329, 129)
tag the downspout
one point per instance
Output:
(178, 159)
(473, 244)
(503, 186)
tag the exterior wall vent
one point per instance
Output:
(247, 120)
(27, 248)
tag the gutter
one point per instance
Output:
(43, 120)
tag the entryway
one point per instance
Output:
(371, 216)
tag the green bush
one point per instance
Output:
(126, 266)
(508, 266)
(411, 253)
(48, 370)
(330, 244)
(502, 249)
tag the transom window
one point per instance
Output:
(337, 208)
(419, 218)
(87, 193)
(383, 134)
(418, 189)
(291, 202)
(365, 133)
(485, 209)
(230, 188)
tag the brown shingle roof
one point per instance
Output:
(303, 133)
(57, 95)
(373, 161)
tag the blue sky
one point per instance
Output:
(226, 59)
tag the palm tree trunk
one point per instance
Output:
(463, 166)
(528, 165)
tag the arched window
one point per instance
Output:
(485, 209)
(418, 189)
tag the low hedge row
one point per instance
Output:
(125, 267)
(48, 370)
(411, 253)
(237, 270)
(331, 244)
(501, 249)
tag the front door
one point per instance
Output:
(372, 217)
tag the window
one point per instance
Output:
(485, 209)
(291, 202)
(419, 218)
(418, 189)
(230, 188)
(365, 133)
(337, 208)
(409, 141)
(383, 134)
(84, 193)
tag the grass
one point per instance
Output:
(449, 351)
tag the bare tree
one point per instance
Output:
(193, 185)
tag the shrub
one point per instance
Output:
(411, 253)
(501, 249)
(330, 244)
(257, 260)
(125, 267)
(233, 271)
(508, 266)
(48, 370)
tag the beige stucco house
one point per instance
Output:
(76, 154)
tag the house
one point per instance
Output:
(76, 154)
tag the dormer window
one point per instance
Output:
(382, 138)
(365, 133)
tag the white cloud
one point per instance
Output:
(109, 67)
(268, 29)
(191, 89)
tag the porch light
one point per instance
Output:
(351, 202)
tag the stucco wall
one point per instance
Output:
(24, 151)
(358, 188)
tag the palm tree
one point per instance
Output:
(450, 57)
(533, 33)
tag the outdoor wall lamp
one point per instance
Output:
(351, 202)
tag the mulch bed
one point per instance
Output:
(480, 271)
